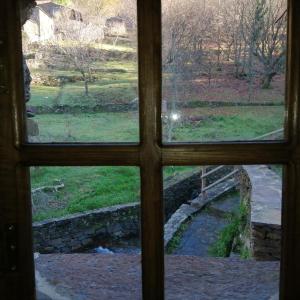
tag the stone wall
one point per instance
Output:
(72, 233)
(77, 231)
(180, 189)
(261, 189)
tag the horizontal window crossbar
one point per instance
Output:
(130, 155)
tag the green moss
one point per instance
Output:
(232, 232)
(175, 241)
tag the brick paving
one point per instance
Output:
(118, 276)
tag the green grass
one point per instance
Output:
(246, 123)
(43, 95)
(123, 127)
(89, 188)
(98, 127)
(176, 239)
(172, 171)
(109, 87)
(237, 225)
(86, 188)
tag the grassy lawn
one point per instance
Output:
(73, 94)
(233, 123)
(238, 123)
(98, 127)
(85, 188)
(116, 82)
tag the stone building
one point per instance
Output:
(116, 26)
(41, 24)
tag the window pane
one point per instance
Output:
(223, 70)
(222, 232)
(80, 70)
(86, 229)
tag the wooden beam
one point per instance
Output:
(79, 154)
(149, 40)
(17, 270)
(226, 154)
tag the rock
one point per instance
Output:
(32, 127)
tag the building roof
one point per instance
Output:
(34, 17)
(51, 8)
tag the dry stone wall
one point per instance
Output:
(261, 188)
(77, 231)
(72, 233)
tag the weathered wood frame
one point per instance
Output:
(17, 281)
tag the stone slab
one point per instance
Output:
(266, 195)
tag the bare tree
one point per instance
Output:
(77, 40)
(270, 48)
(96, 11)
(232, 18)
(264, 32)
(199, 37)
(176, 53)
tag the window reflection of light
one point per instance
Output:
(175, 116)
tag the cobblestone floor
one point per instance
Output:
(118, 276)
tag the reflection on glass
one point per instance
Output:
(222, 231)
(80, 70)
(223, 70)
(86, 232)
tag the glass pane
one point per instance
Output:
(223, 70)
(222, 231)
(86, 229)
(80, 70)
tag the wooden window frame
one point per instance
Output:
(17, 270)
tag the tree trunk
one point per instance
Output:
(250, 72)
(267, 79)
(86, 86)
(86, 82)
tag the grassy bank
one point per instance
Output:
(87, 188)
(238, 123)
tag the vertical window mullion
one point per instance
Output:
(15, 206)
(149, 48)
